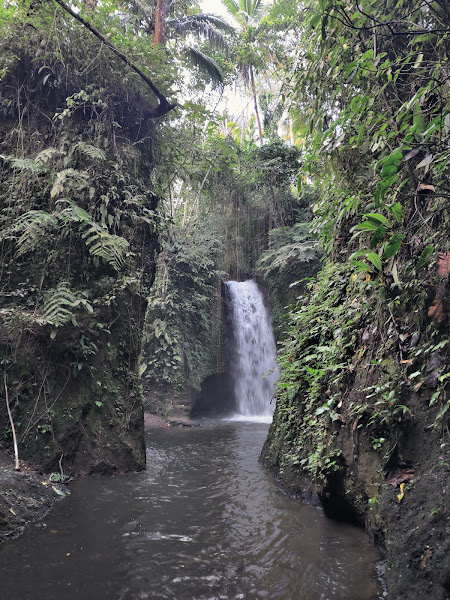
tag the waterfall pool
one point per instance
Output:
(204, 522)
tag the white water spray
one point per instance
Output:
(253, 353)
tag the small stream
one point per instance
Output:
(204, 522)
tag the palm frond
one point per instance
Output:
(232, 7)
(201, 28)
(208, 18)
(205, 64)
(257, 8)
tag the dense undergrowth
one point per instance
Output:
(183, 338)
(78, 244)
(362, 403)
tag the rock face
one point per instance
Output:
(294, 256)
(185, 339)
(78, 253)
(361, 427)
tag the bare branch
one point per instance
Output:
(13, 429)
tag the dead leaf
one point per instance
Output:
(402, 492)
(11, 511)
(443, 265)
(418, 386)
(436, 310)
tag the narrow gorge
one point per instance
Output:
(224, 299)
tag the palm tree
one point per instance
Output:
(247, 13)
(163, 26)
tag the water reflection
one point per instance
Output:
(204, 522)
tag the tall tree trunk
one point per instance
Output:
(160, 22)
(255, 100)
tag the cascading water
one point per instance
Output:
(253, 350)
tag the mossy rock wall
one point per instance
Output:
(190, 347)
(361, 421)
(78, 244)
(293, 258)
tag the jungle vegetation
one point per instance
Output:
(123, 158)
(132, 182)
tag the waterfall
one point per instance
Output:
(253, 350)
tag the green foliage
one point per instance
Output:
(57, 309)
(78, 233)
(373, 101)
(181, 337)
(34, 226)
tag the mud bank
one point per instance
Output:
(25, 496)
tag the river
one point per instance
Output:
(204, 522)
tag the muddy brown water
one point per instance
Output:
(204, 522)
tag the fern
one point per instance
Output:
(58, 307)
(45, 155)
(36, 164)
(33, 226)
(23, 164)
(112, 248)
(73, 213)
(90, 151)
(99, 242)
(68, 179)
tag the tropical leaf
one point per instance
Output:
(73, 213)
(232, 7)
(109, 247)
(425, 254)
(99, 242)
(32, 226)
(204, 24)
(375, 260)
(393, 246)
(45, 155)
(205, 64)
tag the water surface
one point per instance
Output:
(203, 522)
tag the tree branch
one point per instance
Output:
(164, 105)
